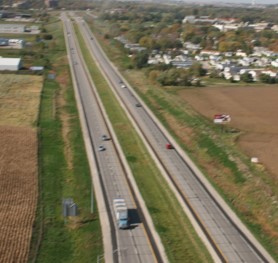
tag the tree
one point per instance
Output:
(197, 70)
(147, 42)
(141, 59)
(114, 30)
(153, 75)
(265, 78)
(247, 77)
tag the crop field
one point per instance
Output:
(19, 102)
(253, 112)
(19, 99)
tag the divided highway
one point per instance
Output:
(225, 236)
(135, 245)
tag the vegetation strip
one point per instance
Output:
(180, 241)
(64, 170)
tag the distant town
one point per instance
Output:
(259, 64)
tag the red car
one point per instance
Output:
(169, 146)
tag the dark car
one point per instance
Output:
(101, 148)
(104, 137)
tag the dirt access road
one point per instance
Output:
(253, 111)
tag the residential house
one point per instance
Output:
(4, 42)
(210, 52)
(274, 63)
(240, 53)
(232, 72)
(156, 59)
(271, 73)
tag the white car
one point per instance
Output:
(101, 148)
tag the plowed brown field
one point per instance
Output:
(18, 191)
(19, 102)
(253, 111)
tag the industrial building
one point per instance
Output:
(12, 64)
(12, 28)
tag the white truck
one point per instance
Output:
(121, 213)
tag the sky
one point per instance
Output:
(234, 1)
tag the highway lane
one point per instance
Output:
(225, 234)
(131, 246)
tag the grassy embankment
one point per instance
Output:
(179, 238)
(215, 152)
(64, 170)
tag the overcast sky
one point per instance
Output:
(234, 1)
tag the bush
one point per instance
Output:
(47, 37)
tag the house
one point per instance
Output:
(182, 61)
(199, 58)
(156, 59)
(275, 28)
(252, 73)
(240, 53)
(227, 27)
(191, 46)
(228, 54)
(274, 63)
(4, 42)
(270, 73)
(19, 43)
(134, 47)
(243, 62)
(262, 62)
(232, 72)
(209, 52)
(259, 26)
(167, 59)
(189, 19)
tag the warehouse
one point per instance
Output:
(12, 64)
(12, 28)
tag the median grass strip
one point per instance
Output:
(64, 171)
(178, 236)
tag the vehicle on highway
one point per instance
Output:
(138, 105)
(169, 146)
(104, 137)
(122, 85)
(101, 148)
(121, 213)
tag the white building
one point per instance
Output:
(12, 28)
(274, 63)
(12, 64)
